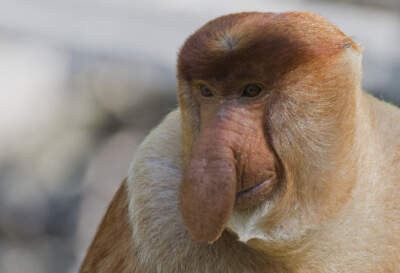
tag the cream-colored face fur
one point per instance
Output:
(249, 224)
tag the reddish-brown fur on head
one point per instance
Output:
(228, 148)
(268, 44)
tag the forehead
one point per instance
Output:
(261, 46)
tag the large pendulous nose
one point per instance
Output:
(231, 165)
(208, 189)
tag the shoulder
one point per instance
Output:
(153, 186)
(111, 249)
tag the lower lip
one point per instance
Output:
(255, 195)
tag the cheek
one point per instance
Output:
(282, 123)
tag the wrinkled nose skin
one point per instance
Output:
(230, 155)
(209, 187)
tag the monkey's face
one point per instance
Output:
(233, 78)
(232, 164)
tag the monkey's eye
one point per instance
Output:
(205, 91)
(251, 90)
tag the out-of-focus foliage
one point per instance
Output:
(82, 83)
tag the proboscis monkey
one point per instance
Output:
(275, 161)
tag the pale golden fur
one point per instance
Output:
(338, 210)
(362, 236)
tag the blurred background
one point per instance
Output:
(83, 81)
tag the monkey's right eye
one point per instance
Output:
(205, 91)
(251, 90)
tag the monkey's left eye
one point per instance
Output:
(251, 90)
(205, 91)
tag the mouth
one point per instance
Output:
(256, 194)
